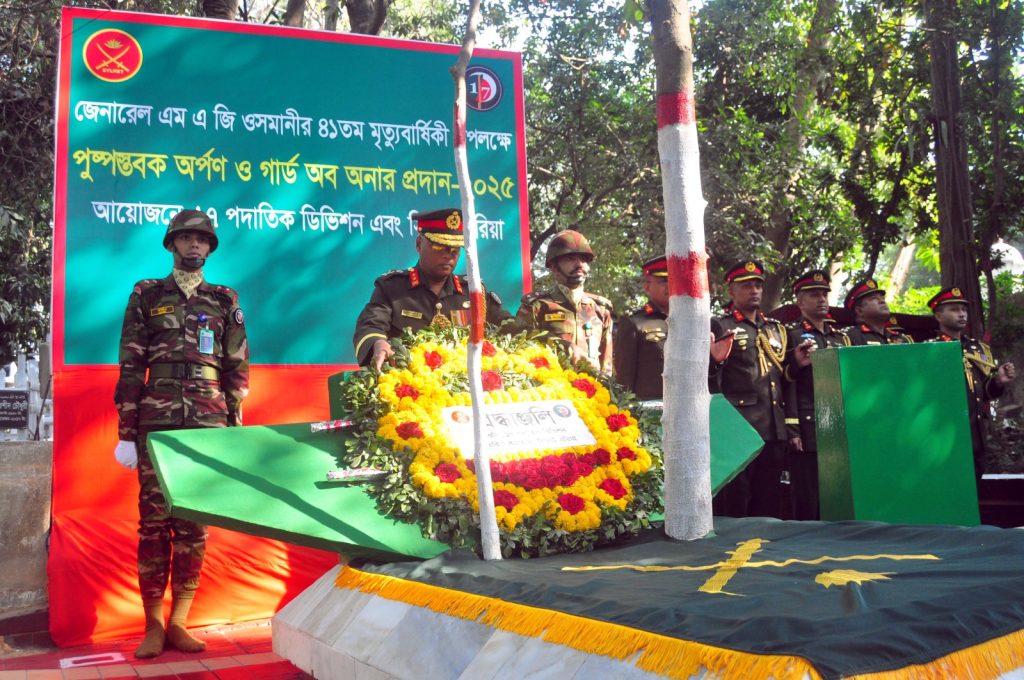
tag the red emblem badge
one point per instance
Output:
(112, 55)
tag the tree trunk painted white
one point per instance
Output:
(488, 521)
(686, 416)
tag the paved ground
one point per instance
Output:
(236, 652)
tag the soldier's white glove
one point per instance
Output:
(126, 454)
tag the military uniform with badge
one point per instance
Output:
(582, 320)
(981, 370)
(405, 299)
(752, 379)
(872, 325)
(184, 363)
(800, 417)
(640, 338)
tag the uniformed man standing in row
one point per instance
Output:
(565, 311)
(190, 337)
(429, 294)
(815, 325)
(871, 312)
(640, 337)
(752, 379)
(985, 380)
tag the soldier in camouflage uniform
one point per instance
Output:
(190, 337)
(581, 320)
(424, 295)
(870, 310)
(985, 379)
(640, 337)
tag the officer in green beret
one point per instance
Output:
(429, 294)
(565, 311)
(640, 337)
(184, 363)
(867, 302)
(986, 379)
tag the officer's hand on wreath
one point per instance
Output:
(126, 454)
(721, 348)
(381, 352)
(802, 353)
(1007, 373)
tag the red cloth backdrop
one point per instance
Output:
(93, 589)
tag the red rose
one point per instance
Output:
(585, 386)
(602, 456)
(616, 422)
(433, 359)
(626, 453)
(447, 472)
(410, 430)
(571, 503)
(491, 381)
(505, 499)
(613, 488)
(406, 390)
(555, 471)
(487, 349)
(540, 362)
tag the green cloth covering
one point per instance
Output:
(272, 481)
(953, 588)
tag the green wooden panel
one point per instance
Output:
(271, 481)
(893, 435)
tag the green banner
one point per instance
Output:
(310, 149)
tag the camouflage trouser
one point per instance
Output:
(166, 544)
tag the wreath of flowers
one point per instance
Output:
(546, 501)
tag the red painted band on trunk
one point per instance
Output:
(459, 133)
(676, 107)
(476, 320)
(688, 275)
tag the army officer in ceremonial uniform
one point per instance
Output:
(871, 312)
(752, 378)
(428, 294)
(640, 337)
(985, 381)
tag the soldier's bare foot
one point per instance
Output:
(152, 645)
(181, 639)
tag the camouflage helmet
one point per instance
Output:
(191, 220)
(568, 242)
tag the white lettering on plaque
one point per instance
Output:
(519, 427)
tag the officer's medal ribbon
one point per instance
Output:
(205, 336)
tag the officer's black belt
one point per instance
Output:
(184, 371)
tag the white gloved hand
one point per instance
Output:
(126, 454)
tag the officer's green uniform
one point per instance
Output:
(640, 343)
(980, 376)
(800, 419)
(752, 379)
(401, 299)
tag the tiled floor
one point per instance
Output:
(237, 652)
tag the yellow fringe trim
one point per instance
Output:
(982, 661)
(651, 652)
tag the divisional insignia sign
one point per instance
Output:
(309, 150)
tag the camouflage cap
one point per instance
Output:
(191, 220)
(568, 242)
